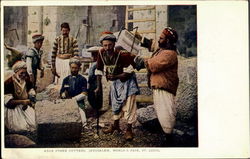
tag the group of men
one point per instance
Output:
(115, 64)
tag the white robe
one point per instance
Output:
(62, 69)
(165, 106)
(18, 120)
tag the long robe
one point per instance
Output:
(16, 119)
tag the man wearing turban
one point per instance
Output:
(163, 79)
(33, 58)
(118, 67)
(19, 116)
(75, 86)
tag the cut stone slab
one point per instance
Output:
(58, 120)
(18, 141)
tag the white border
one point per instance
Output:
(223, 85)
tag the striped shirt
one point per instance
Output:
(64, 45)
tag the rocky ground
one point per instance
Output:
(145, 136)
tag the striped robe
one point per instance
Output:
(63, 45)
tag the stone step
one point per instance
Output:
(143, 85)
(144, 99)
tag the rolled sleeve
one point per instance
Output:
(128, 69)
(98, 72)
(7, 98)
(29, 65)
(79, 97)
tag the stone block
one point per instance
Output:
(58, 121)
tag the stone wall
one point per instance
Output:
(15, 25)
(15, 18)
(184, 20)
(105, 18)
(49, 22)
(86, 23)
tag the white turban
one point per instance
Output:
(107, 36)
(19, 65)
(37, 37)
(75, 61)
(94, 49)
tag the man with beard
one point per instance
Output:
(163, 79)
(65, 47)
(19, 116)
(117, 66)
(75, 86)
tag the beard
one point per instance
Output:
(109, 51)
(74, 73)
(161, 45)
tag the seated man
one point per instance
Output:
(75, 86)
(19, 116)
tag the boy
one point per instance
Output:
(33, 58)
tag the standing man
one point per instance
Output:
(65, 47)
(75, 86)
(163, 79)
(118, 68)
(94, 101)
(34, 58)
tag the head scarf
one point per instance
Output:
(170, 34)
(18, 66)
(75, 61)
(107, 36)
(37, 37)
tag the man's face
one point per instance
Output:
(38, 44)
(65, 32)
(162, 40)
(22, 73)
(94, 55)
(108, 45)
(74, 68)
